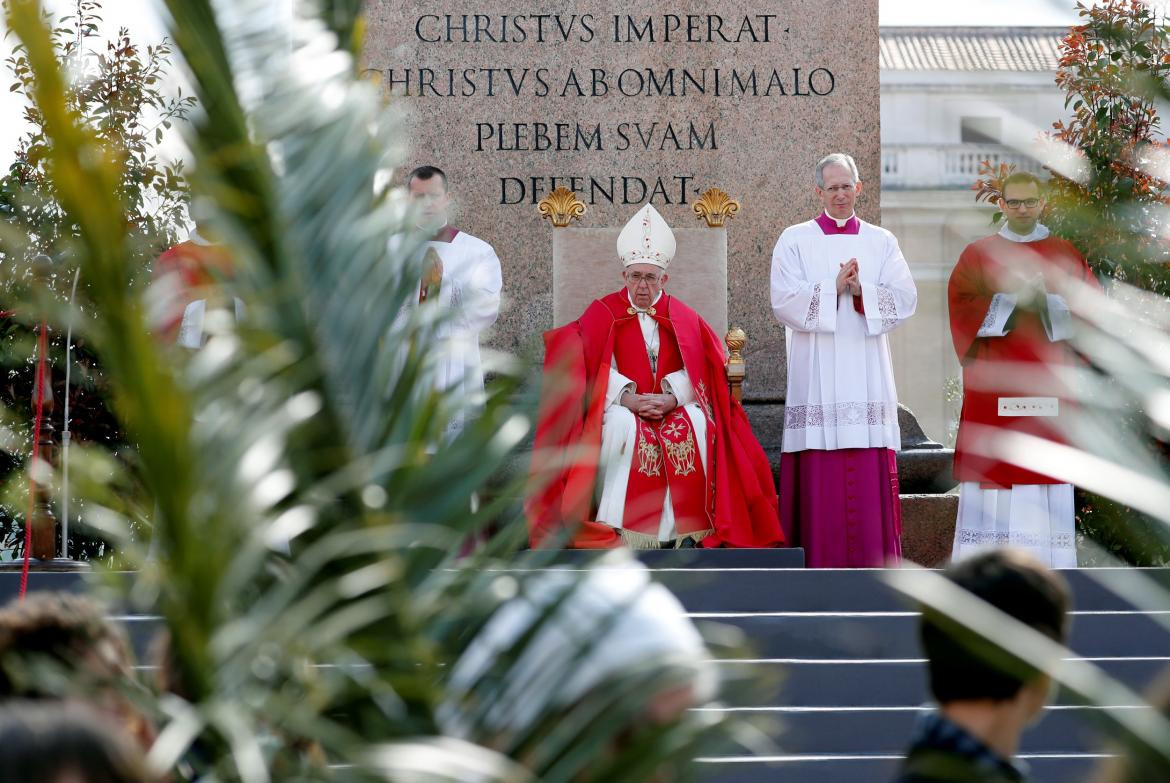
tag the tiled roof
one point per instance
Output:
(970, 48)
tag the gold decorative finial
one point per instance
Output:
(561, 207)
(715, 207)
(736, 339)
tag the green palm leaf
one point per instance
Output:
(308, 508)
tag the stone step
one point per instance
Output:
(68, 581)
(143, 630)
(782, 558)
(895, 634)
(747, 587)
(881, 682)
(855, 590)
(838, 655)
(844, 730)
(861, 768)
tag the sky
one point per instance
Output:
(142, 18)
(998, 13)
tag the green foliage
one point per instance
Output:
(1113, 209)
(307, 507)
(1122, 533)
(989, 186)
(345, 19)
(953, 395)
(117, 90)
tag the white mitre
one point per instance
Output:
(646, 239)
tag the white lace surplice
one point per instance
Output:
(840, 377)
(1037, 518)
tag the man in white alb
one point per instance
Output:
(839, 285)
(468, 280)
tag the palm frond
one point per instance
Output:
(308, 507)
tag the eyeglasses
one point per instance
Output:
(637, 278)
(1016, 203)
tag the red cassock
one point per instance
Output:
(1022, 363)
(735, 498)
(189, 269)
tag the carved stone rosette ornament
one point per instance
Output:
(561, 207)
(715, 207)
(736, 339)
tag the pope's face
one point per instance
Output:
(643, 281)
(430, 198)
(1022, 205)
(839, 193)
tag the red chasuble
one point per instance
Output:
(736, 498)
(1023, 363)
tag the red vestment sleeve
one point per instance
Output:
(561, 475)
(969, 299)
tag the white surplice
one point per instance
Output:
(841, 390)
(1037, 518)
(470, 294)
(619, 434)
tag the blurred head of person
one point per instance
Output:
(61, 646)
(65, 742)
(427, 186)
(976, 688)
(568, 646)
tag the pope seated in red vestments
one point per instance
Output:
(639, 440)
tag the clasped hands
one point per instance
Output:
(1029, 288)
(848, 279)
(649, 406)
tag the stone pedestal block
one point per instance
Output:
(928, 528)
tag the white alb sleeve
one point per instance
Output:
(995, 322)
(679, 384)
(798, 303)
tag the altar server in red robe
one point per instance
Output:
(639, 439)
(1009, 323)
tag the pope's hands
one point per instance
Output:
(848, 279)
(649, 406)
